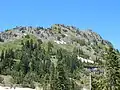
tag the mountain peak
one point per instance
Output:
(62, 31)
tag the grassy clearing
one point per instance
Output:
(16, 44)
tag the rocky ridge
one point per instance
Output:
(90, 42)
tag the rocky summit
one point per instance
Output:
(91, 43)
(57, 58)
(55, 32)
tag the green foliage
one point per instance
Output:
(59, 30)
(113, 70)
(80, 41)
(62, 82)
(2, 55)
(1, 40)
(27, 36)
(17, 44)
(110, 80)
(58, 38)
(7, 30)
(32, 63)
(63, 36)
(85, 56)
(39, 41)
(1, 80)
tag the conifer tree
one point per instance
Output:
(111, 78)
(113, 70)
(2, 55)
(62, 82)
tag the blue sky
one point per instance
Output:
(102, 16)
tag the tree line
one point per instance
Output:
(56, 69)
(33, 63)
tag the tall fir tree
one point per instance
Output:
(111, 78)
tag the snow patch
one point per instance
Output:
(8, 88)
(85, 60)
(84, 89)
(60, 42)
(65, 34)
(24, 34)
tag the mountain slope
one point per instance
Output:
(67, 37)
(42, 55)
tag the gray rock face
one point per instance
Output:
(87, 40)
(66, 33)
